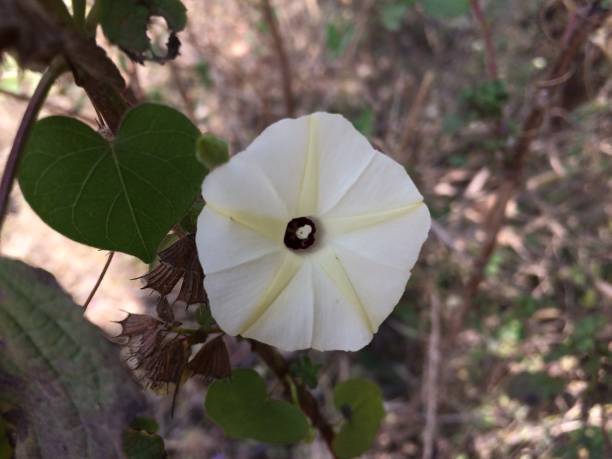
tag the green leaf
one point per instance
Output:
(140, 444)
(65, 381)
(445, 8)
(337, 37)
(534, 388)
(306, 371)
(122, 195)
(242, 408)
(392, 14)
(125, 22)
(360, 401)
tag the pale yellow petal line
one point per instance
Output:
(341, 225)
(332, 266)
(309, 190)
(268, 227)
(287, 271)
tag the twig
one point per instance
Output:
(417, 108)
(490, 55)
(308, 403)
(99, 281)
(431, 380)
(591, 19)
(29, 117)
(281, 52)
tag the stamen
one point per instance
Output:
(300, 233)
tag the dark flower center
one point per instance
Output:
(300, 233)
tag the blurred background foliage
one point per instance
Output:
(528, 373)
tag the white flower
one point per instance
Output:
(308, 236)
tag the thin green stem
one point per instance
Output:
(29, 117)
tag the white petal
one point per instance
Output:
(280, 151)
(378, 260)
(338, 323)
(395, 242)
(344, 153)
(383, 185)
(223, 243)
(287, 322)
(234, 293)
(239, 189)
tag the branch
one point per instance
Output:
(279, 366)
(29, 117)
(283, 60)
(490, 57)
(591, 18)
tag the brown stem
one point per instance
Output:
(490, 56)
(279, 366)
(591, 18)
(98, 282)
(281, 52)
(29, 117)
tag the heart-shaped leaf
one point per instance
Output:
(69, 393)
(123, 194)
(360, 402)
(242, 408)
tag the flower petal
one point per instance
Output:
(344, 153)
(241, 191)
(337, 323)
(382, 186)
(280, 151)
(234, 293)
(222, 243)
(378, 260)
(287, 322)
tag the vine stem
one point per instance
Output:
(279, 366)
(98, 282)
(29, 117)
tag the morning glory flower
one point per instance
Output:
(308, 236)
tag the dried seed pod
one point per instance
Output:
(212, 361)
(138, 325)
(179, 261)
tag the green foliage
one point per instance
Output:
(587, 442)
(212, 151)
(140, 440)
(392, 13)
(242, 408)
(360, 402)
(534, 388)
(338, 35)
(72, 395)
(365, 121)
(123, 194)
(125, 22)
(202, 70)
(485, 100)
(445, 8)
(306, 371)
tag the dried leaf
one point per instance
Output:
(212, 361)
